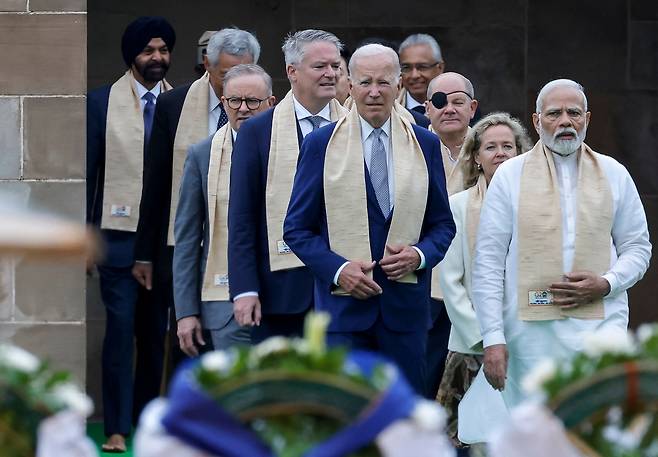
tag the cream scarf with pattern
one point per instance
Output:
(215, 278)
(192, 128)
(539, 222)
(124, 155)
(345, 189)
(281, 167)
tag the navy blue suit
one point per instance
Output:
(420, 119)
(285, 295)
(399, 318)
(129, 308)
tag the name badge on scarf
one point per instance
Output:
(221, 280)
(120, 210)
(282, 248)
(540, 297)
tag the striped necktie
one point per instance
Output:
(379, 172)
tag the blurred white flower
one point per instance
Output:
(534, 381)
(646, 332)
(315, 331)
(18, 359)
(300, 346)
(272, 345)
(73, 399)
(608, 340)
(216, 361)
(428, 415)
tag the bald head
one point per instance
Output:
(450, 82)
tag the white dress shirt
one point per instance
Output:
(214, 110)
(411, 102)
(367, 138)
(141, 91)
(495, 265)
(303, 114)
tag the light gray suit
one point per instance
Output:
(191, 229)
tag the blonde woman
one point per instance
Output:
(493, 140)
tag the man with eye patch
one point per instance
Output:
(450, 106)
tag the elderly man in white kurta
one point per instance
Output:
(562, 236)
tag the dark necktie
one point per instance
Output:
(223, 118)
(315, 121)
(149, 110)
(419, 109)
(379, 172)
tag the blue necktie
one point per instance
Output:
(149, 110)
(315, 121)
(379, 172)
(223, 118)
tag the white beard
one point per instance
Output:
(563, 147)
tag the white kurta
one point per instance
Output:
(495, 266)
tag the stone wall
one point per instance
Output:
(42, 148)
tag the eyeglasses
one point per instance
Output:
(421, 67)
(236, 102)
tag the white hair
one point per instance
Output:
(232, 41)
(422, 38)
(295, 44)
(556, 83)
(375, 49)
(468, 85)
(248, 69)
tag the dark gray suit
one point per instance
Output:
(191, 229)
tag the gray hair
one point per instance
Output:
(468, 85)
(375, 49)
(539, 105)
(422, 38)
(473, 141)
(232, 41)
(248, 69)
(295, 44)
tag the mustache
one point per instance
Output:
(570, 130)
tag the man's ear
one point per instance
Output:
(271, 100)
(474, 107)
(206, 62)
(291, 72)
(535, 121)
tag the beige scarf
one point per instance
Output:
(192, 128)
(453, 170)
(540, 231)
(473, 209)
(124, 155)
(281, 167)
(402, 97)
(215, 279)
(454, 183)
(345, 189)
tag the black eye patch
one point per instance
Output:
(440, 99)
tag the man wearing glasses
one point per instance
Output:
(420, 62)
(200, 255)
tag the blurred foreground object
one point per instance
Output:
(36, 401)
(606, 397)
(292, 398)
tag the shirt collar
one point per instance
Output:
(213, 100)
(412, 102)
(141, 90)
(303, 113)
(366, 129)
(234, 133)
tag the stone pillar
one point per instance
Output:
(42, 166)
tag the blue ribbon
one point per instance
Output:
(198, 420)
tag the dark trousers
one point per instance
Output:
(406, 349)
(130, 318)
(437, 348)
(278, 325)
